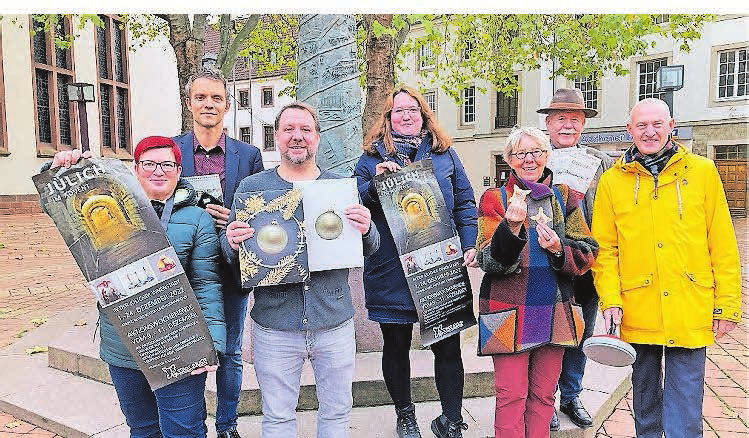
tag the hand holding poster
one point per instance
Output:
(573, 167)
(116, 238)
(429, 249)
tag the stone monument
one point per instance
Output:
(328, 79)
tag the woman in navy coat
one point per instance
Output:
(405, 133)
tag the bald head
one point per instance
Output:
(651, 101)
(650, 125)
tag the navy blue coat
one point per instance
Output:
(387, 296)
(241, 160)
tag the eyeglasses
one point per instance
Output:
(166, 166)
(534, 153)
(400, 112)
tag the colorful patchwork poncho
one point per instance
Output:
(525, 295)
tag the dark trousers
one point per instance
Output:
(173, 411)
(448, 369)
(673, 406)
(573, 363)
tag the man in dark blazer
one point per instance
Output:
(208, 150)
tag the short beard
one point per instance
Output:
(298, 160)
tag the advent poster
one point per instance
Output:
(117, 240)
(429, 249)
(277, 252)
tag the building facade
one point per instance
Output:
(36, 118)
(711, 110)
(256, 98)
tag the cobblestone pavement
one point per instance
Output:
(39, 279)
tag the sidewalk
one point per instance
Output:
(39, 279)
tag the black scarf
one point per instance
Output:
(158, 206)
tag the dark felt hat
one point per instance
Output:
(568, 99)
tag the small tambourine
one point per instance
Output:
(609, 349)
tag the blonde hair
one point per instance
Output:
(382, 129)
(517, 133)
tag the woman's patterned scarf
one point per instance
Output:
(407, 145)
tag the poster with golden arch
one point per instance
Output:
(135, 274)
(429, 249)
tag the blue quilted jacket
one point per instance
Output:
(193, 236)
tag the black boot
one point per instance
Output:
(554, 423)
(406, 425)
(444, 428)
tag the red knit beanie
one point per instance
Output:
(156, 141)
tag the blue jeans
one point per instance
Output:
(173, 411)
(229, 374)
(573, 362)
(676, 406)
(279, 357)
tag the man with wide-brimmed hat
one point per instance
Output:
(565, 120)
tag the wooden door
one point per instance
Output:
(733, 175)
(503, 171)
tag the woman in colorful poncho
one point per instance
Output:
(532, 241)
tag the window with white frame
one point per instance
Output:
(646, 78)
(589, 87)
(431, 98)
(267, 96)
(732, 152)
(733, 72)
(468, 107)
(661, 18)
(269, 143)
(245, 134)
(426, 56)
(507, 109)
(468, 49)
(244, 99)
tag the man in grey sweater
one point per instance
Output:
(311, 320)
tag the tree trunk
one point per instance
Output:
(187, 41)
(380, 75)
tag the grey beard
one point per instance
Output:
(298, 160)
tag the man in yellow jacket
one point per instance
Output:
(668, 269)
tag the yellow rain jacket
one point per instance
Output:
(668, 255)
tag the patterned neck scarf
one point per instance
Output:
(407, 145)
(653, 163)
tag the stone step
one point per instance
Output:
(76, 351)
(70, 405)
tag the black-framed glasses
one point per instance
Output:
(166, 166)
(536, 153)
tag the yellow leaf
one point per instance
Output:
(21, 333)
(80, 322)
(13, 424)
(39, 321)
(36, 349)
